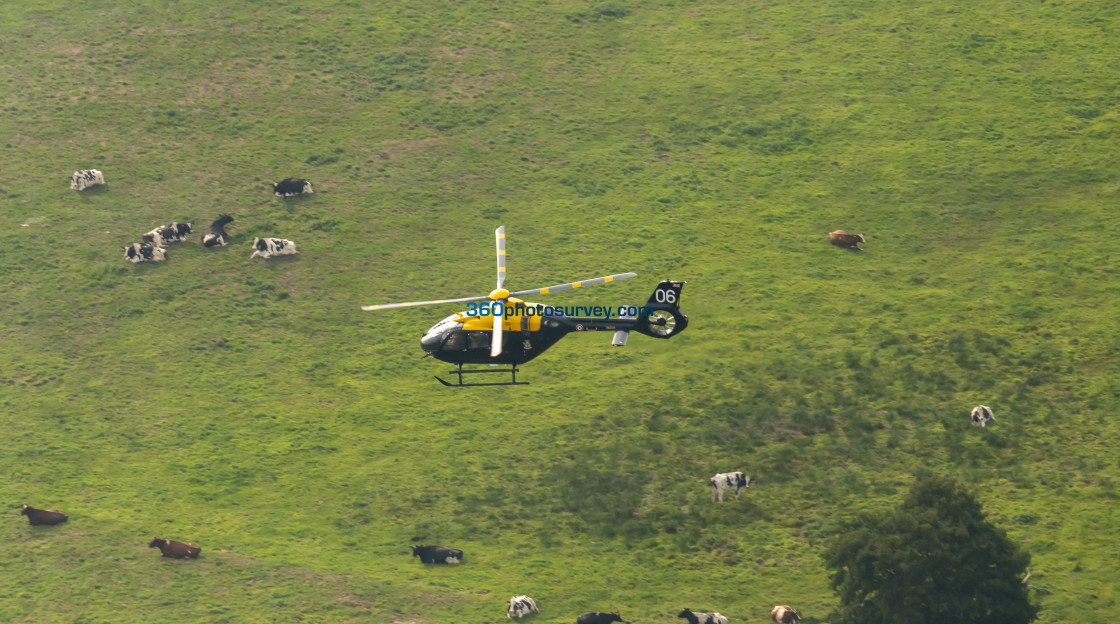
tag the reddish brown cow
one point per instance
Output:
(177, 550)
(39, 517)
(783, 614)
(840, 238)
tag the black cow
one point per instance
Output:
(41, 517)
(144, 252)
(437, 554)
(216, 234)
(598, 618)
(291, 186)
(175, 550)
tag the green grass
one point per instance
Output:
(251, 407)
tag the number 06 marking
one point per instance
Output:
(664, 296)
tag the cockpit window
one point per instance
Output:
(456, 341)
(445, 325)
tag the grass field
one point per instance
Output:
(252, 408)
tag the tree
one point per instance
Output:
(934, 560)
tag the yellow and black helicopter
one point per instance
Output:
(508, 330)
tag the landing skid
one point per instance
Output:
(460, 372)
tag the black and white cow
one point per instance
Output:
(81, 180)
(702, 618)
(520, 606)
(598, 618)
(726, 481)
(268, 247)
(144, 252)
(981, 414)
(291, 186)
(216, 234)
(173, 233)
(437, 554)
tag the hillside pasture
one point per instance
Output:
(254, 409)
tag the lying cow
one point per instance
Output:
(43, 517)
(173, 233)
(725, 481)
(268, 247)
(81, 180)
(702, 618)
(216, 234)
(598, 618)
(520, 606)
(981, 414)
(144, 252)
(783, 614)
(291, 186)
(437, 554)
(175, 550)
(840, 238)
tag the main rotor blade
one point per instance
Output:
(386, 306)
(496, 338)
(500, 234)
(569, 285)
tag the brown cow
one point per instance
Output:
(39, 517)
(840, 238)
(177, 550)
(783, 614)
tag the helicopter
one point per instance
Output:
(511, 331)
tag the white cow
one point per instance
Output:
(981, 414)
(725, 481)
(81, 180)
(520, 606)
(268, 247)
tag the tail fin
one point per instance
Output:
(667, 295)
(661, 317)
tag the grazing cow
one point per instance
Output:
(725, 481)
(702, 618)
(174, 233)
(216, 234)
(520, 606)
(176, 550)
(291, 186)
(144, 252)
(268, 247)
(840, 238)
(81, 180)
(437, 554)
(598, 618)
(981, 414)
(784, 614)
(41, 517)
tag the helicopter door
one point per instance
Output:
(479, 340)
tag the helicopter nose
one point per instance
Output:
(430, 341)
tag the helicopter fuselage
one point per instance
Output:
(528, 329)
